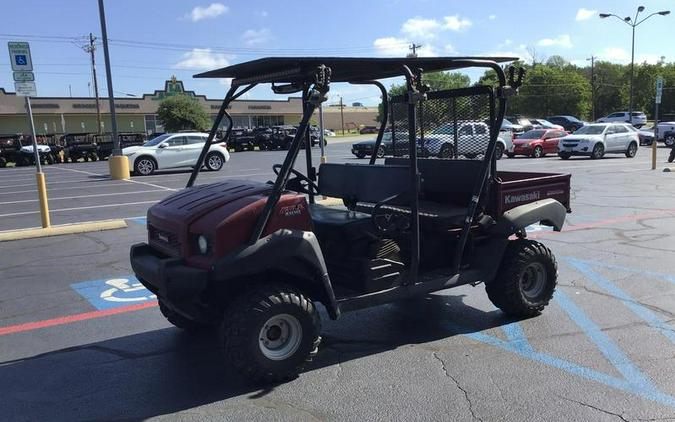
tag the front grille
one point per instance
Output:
(565, 144)
(164, 240)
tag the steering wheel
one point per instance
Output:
(300, 183)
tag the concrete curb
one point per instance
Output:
(89, 226)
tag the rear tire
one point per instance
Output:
(632, 150)
(564, 155)
(669, 140)
(510, 154)
(180, 321)
(360, 155)
(270, 332)
(526, 279)
(446, 151)
(214, 161)
(144, 166)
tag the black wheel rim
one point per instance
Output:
(533, 280)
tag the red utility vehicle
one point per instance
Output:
(254, 258)
(536, 143)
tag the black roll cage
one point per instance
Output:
(314, 85)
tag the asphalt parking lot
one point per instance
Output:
(79, 340)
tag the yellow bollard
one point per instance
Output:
(119, 167)
(42, 194)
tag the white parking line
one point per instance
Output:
(98, 186)
(83, 196)
(80, 208)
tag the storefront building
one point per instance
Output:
(54, 115)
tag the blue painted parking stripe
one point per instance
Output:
(666, 277)
(138, 220)
(516, 336)
(606, 346)
(114, 292)
(641, 311)
(648, 393)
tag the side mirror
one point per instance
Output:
(161, 146)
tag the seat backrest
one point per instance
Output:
(445, 180)
(363, 182)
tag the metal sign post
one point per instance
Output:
(657, 102)
(22, 66)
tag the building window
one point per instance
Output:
(153, 124)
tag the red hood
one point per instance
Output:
(190, 204)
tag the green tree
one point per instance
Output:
(181, 112)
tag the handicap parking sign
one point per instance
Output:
(21, 60)
(114, 292)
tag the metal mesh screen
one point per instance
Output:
(452, 124)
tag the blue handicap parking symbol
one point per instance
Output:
(113, 292)
(21, 59)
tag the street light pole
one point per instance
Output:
(633, 23)
(118, 163)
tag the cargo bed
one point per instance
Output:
(514, 188)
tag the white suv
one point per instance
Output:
(639, 118)
(596, 139)
(175, 150)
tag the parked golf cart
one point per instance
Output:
(104, 142)
(242, 139)
(78, 146)
(254, 258)
(18, 149)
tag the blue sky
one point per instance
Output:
(189, 36)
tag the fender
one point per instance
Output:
(547, 211)
(294, 252)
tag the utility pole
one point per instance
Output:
(592, 59)
(413, 47)
(90, 48)
(342, 116)
(118, 163)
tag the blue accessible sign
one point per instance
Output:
(114, 292)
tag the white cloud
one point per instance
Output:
(649, 58)
(492, 17)
(256, 36)
(209, 12)
(585, 14)
(563, 41)
(450, 49)
(400, 47)
(455, 23)
(391, 46)
(620, 55)
(263, 13)
(202, 59)
(420, 28)
(615, 54)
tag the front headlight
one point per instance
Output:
(203, 244)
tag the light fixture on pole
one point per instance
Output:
(633, 23)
